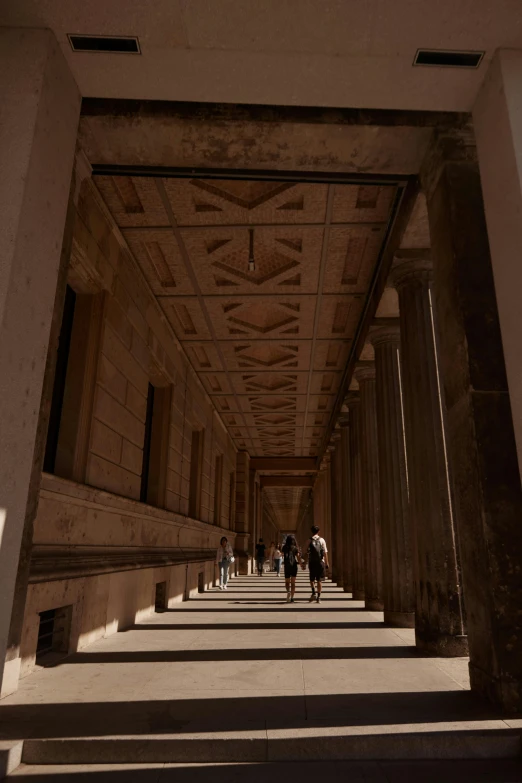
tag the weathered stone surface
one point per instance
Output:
(488, 495)
(346, 517)
(439, 624)
(398, 589)
(356, 491)
(371, 522)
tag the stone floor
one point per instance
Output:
(267, 681)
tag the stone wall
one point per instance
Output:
(96, 548)
(138, 347)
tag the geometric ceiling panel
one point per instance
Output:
(269, 346)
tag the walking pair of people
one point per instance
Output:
(317, 560)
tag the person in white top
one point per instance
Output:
(317, 557)
(278, 556)
(224, 557)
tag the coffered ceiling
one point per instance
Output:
(269, 345)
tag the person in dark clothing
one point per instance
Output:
(260, 556)
(291, 559)
(317, 556)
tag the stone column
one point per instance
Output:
(497, 122)
(40, 110)
(356, 540)
(439, 626)
(346, 517)
(481, 440)
(332, 543)
(397, 569)
(371, 523)
(336, 554)
(242, 520)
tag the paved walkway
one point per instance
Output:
(244, 662)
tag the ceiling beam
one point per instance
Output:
(278, 464)
(286, 481)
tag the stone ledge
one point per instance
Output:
(51, 563)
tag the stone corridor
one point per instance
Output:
(242, 677)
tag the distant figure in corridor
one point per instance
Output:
(278, 556)
(292, 559)
(317, 556)
(271, 550)
(260, 556)
(224, 557)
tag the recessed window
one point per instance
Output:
(73, 390)
(114, 44)
(218, 488)
(160, 597)
(232, 500)
(53, 633)
(155, 446)
(196, 472)
(448, 59)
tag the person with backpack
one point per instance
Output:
(292, 558)
(260, 556)
(317, 563)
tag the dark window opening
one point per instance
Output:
(156, 446)
(218, 489)
(232, 500)
(201, 582)
(54, 632)
(62, 360)
(160, 598)
(196, 469)
(146, 446)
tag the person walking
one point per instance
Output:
(292, 559)
(271, 550)
(278, 556)
(224, 557)
(260, 556)
(317, 556)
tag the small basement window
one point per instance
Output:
(160, 598)
(54, 632)
(201, 582)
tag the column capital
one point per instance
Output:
(364, 372)
(389, 333)
(449, 145)
(411, 266)
(344, 421)
(352, 399)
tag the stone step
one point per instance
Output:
(258, 743)
(454, 771)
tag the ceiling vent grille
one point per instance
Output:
(114, 44)
(442, 58)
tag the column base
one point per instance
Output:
(499, 690)
(358, 595)
(442, 645)
(11, 677)
(399, 619)
(243, 565)
(373, 605)
(347, 587)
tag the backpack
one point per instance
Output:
(315, 551)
